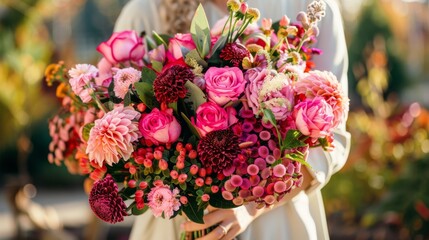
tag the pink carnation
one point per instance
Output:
(123, 79)
(162, 200)
(313, 117)
(112, 136)
(81, 76)
(324, 84)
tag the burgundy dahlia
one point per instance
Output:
(169, 86)
(234, 53)
(218, 149)
(105, 201)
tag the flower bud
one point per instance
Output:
(284, 21)
(233, 5)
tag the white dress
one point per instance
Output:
(304, 216)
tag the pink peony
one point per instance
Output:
(162, 200)
(123, 79)
(314, 117)
(112, 136)
(160, 126)
(224, 84)
(324, 84)
(81, 76)
(211, 117)
(122, 47)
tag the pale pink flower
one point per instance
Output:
(104, 77)
(324, 84)
(81, 76)
(255, 78)
(112, 136)
(123, 79)
(162, 200)
(314, 117)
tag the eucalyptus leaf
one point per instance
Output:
(200, 31)
(194, 55)
(148, 75)
(136, 211)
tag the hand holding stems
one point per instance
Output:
(236, 220)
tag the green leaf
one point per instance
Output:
(220, 43)
(161, 38)
(148, 75)
(183, 186)
(136, 211)
(173, 106)
(127, 99)
(292, 140)
(269, 116)
(191, 126)
(298, 157)
(145, 92)
(195, 55)
(217, 201)
(195, 95)
(200, 32)
(157, 66)
(86, 129)
(192, 211)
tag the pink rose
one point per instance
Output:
(160, 126)
(211, 117)
(224, 84)
(314, 117)
(123, 46)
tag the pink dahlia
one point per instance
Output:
(123, 79)
(324, 84)
(112, 136)
(162, 200)
(105, 201)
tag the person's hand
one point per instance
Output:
(231, 222)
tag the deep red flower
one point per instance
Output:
(234, 53)
(105, 201)
(218, 149)
(169, 86)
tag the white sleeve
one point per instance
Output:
(139, 15)
(334, 58)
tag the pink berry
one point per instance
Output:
(279, 187)
(252, 169)
(227, 195)
(236, 181)
(258, 191)
(279, 170)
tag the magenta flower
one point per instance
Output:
(160, 126)
(162, 200)
(122, 47)
(314, 117)
(105, 201)
(112, 136)
(324, 84)
(224, 84)
(123, 79)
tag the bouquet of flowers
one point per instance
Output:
(219, 117)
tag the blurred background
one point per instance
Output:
(381, 193)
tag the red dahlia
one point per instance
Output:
(234, 53)
(169, 86)
(218, 149)
(105, 201)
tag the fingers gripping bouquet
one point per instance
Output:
(219, 117)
